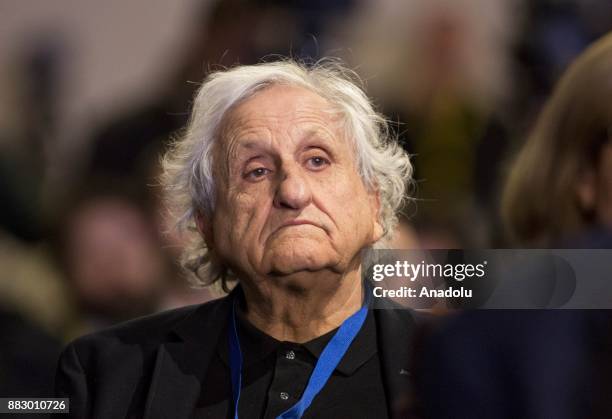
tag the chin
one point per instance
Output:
(292, 266)
(301, 279)
(288, 262)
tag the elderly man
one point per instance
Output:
(286, 173)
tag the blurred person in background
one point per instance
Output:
(559, 190)
(284, 175)
(33, 313)
(443, 69)
(112, 257)
(541, 363)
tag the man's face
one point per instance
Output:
(289, 198)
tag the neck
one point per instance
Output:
(288, 311)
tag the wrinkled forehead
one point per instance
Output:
(279, 110)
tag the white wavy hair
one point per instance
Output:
(188, 166)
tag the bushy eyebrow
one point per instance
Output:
(249, 144)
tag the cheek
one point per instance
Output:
(240, 218)
(351, 207)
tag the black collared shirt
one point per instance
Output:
(275, 375)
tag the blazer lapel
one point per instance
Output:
(396, 328)
(182, 362)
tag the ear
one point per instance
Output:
(378, 230)
(586, 190)
(205, 229)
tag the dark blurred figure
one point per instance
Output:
(112, 256)
(27, 358)
(541, 364)
(25, 146)
(528, 364)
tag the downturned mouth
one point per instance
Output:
(298, 222)
(294, 223)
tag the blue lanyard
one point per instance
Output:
(328, 361)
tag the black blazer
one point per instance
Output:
(153, 367)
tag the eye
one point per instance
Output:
(258, 173)
(317, 162)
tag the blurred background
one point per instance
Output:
(91, 93)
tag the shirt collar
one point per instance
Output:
(256, 345)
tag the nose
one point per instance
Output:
(293, 191)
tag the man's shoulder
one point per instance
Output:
(402, 314)
(151, 329)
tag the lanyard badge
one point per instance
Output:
(331, 356)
